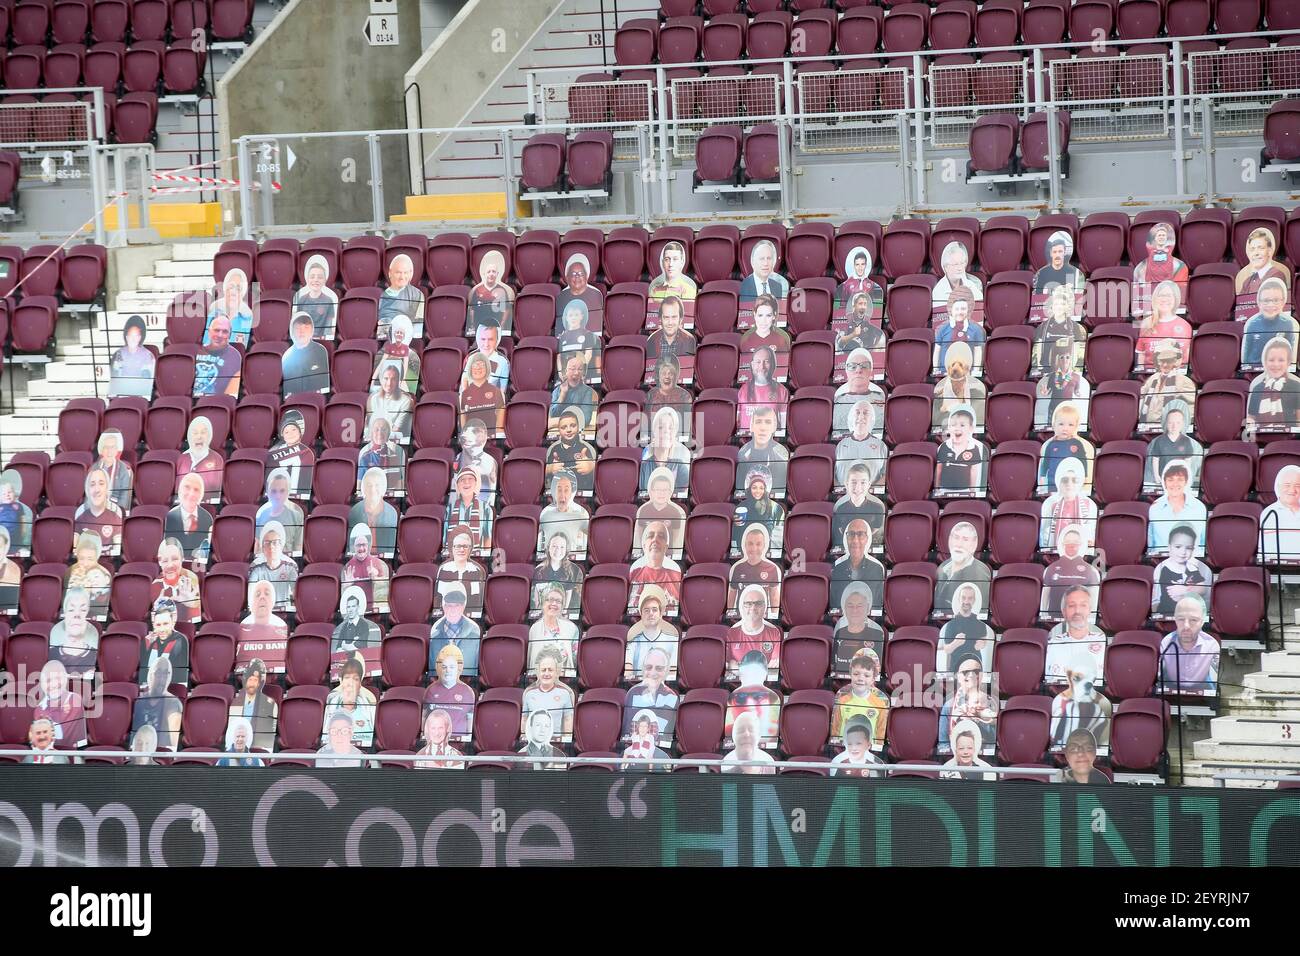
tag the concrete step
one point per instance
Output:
(173, 284)
(1280, 663)
(154, 300)
(86, 338)
(115, 320)
(28, 424)
(1256, 705)
(186, 268)
(1283, 728)
(1240, 763)
(29, 443)
(76, 362)
(1201, 774)
(1273, 683)
(1288, 635)
(195, 251)
(1252, 753)
(63, 390)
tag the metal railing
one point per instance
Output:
(58, 140)
(1112, 99)
(40, 126)
(1102, 70)
(651, 155)
(1049, 774)
(952, 86)
(1273, 563)
(1263, 777)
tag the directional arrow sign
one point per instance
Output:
(292, 157)
(381, 30)
(47, 167)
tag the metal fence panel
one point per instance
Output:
(581, 105)
(326, 180)
(1244, 84)
(1113, 98)
(698, 102)
(37, 126)
(960, 93)
(852, 110)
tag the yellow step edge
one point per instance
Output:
(173, 220)
(454, 206)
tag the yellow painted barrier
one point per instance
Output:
(173, 220)
(451, 207)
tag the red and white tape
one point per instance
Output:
(209, 182)
(175, 190)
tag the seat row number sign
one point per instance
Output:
(381, 30)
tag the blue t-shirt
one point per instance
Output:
(1057, 450)
(1259, 330)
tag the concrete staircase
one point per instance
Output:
(85, 340)
(1257, 736)
(578, 37)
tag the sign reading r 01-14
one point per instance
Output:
(381, 30)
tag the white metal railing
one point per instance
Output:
(962, 92)
(658, 148)
(1113, 98)
(1243, 84)
(1232, 72)
(1049, 774)
(39, 126)
(852, 110)
(593, 104)
(756, 97)
(1262, 777)
(899, 109)
(61, 142)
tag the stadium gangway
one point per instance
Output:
(1049, 774)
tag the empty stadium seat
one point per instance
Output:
(1034, 142)
(717, 155)
(1282, 132)
(542, 162)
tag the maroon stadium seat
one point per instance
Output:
(1137, 735)
(1023, 729)
(1044, 21)
(1019, 659)
(588, 160)
(1205, 236)
(1122, 532)
(542, 162)
(1132, 664)
(636, 42)
(1282, 131)
(1004, 243)
(232, 20)
(503, 655)
(717, 154)
(1238, 601)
